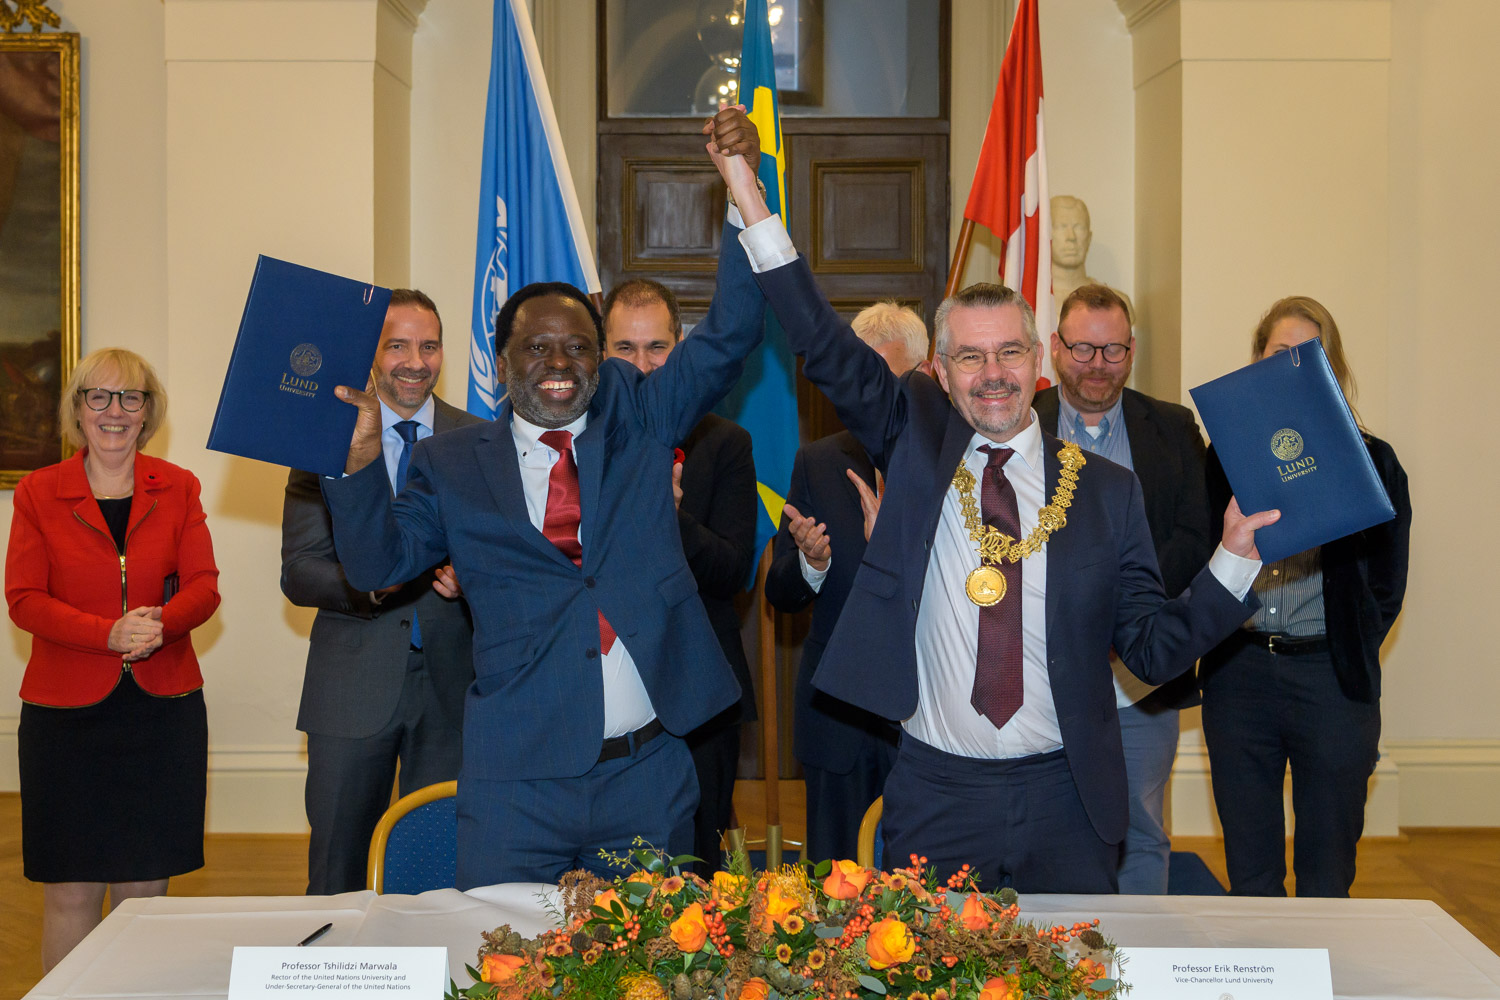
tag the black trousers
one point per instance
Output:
(349, 780)
(836, 803)
(1017, 822)
(1263, 712)
(715, 747)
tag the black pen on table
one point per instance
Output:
(315, 935)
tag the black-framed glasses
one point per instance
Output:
(971, 361)
(1084, 353)
(131, 400)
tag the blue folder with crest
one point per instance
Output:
(303, 332)
(1288, 440)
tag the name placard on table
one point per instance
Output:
(297, 973)
(1233, 973)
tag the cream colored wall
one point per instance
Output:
(124, 229)
(1345, 163)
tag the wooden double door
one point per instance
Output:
(868, 205)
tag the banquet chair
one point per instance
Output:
(415, 845)
(869, 849)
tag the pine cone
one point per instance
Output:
(1093, 940)
(682, 987)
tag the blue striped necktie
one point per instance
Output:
(408, 431)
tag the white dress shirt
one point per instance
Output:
(627, 706)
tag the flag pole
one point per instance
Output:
(770, 747)
(960, 257)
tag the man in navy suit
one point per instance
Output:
(998, 670)
(592, 654)
(846, 752)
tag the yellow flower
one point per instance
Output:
(816, 958)
(729, 888)
(784, 953)
(779, 906)
(690, 930)
(890, 942)
(793, 924)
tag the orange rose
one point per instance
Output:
(973, 915)
(497, 968)
(890, 943)
(999, 989)
(690, 930)
(778, 908)
(1091, 970)
(846, 881)
(755, 989)
(607, 897)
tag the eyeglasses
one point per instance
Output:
(99, 399)
(1084, 353)
(972, 361)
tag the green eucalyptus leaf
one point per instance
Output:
(872, 984)
(822, 868)
(825, 931)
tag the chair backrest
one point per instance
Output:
(415, 845)
(870, 848)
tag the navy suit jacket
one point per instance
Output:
(1103, 585)
(536, 708)
(827, 734)
(1167, 451)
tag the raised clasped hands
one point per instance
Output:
(810, 536)
(1240, 528)
(137, 634)
(734, 146)
(364, 445)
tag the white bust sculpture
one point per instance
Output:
(1071, 236)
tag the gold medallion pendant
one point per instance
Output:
(986, 586)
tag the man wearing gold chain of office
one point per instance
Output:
(996, 667)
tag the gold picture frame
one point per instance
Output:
(40, 311)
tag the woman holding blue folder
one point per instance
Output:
(1299, 684)
(109, 568)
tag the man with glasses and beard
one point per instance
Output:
(592, 654)
(1092, 353)
(1002, 569)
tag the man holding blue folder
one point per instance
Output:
(592, 654)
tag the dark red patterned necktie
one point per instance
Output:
(997, 673)
(565, 511)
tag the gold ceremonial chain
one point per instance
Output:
(986, 585)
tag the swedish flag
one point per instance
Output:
(764, 402)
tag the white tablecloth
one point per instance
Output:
(180, 946)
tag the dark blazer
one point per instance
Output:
(536, 709)
(716, 521)
(1106, 590)
(828, 734)
(1364, 578)
(1166, 449)
(356, 659)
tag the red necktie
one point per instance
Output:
(997, 674)
(565, 511)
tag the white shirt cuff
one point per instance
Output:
(812, 577)
(767, 244)
(735, 218)
(1236, 573)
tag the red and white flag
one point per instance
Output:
(1009, 194)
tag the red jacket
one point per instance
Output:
(67, 584)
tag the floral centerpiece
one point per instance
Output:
(834, 932)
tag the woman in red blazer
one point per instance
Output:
(109, 568)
